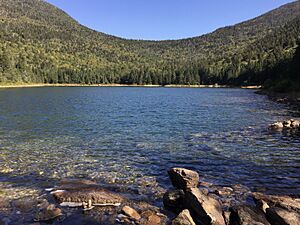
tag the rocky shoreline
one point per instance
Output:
(290, 99)
(190, 202)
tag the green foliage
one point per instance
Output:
(286, 75)
(41, 44)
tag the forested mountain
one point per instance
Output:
(39, 43)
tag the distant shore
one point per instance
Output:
(123, 85)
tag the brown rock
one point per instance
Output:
(183, 178)
(224, 191)
(5, 205)
(153, 220)
(285, 202)
(132, 213)
(150, 217)
(245, 215)
(207, 209)
(25, 204)
(278, 216)
(184, 218)
(85, 191)
(174, 200)
(48, 213)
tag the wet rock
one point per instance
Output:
(49, 213)
(150, 217)
(121, 218)
(184, 218)
(245, 215)
(5, 206)
(285, 202)
(85, 192)
(206, 184)
(224, 191)
(277, 125)
(174, 200)
(132, 213)
(183, 178)
(262, 205)
(278, 216)
(79, 220)
(207, 209)
(153, 220)
(295, 123)
(25, 204)
(287, 124)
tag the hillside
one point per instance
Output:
(41, 43)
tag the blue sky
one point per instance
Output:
(163, 19)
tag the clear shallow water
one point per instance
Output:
(130, 137)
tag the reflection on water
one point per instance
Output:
(129, 137)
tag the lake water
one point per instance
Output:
(129, 137)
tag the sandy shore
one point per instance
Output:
(121, 85)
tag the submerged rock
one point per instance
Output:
(207, 209)
(245, 215)
(49, 213)
(174, 200)
(85, 192)
(184, 218)
(183, 178)
(278, 216)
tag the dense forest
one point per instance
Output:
(39, 43)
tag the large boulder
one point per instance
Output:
(77, 193)
(245, 215)
(184, 218)
(183, 178)
(174, 200)
(285, 202)
(278, 216)
(207, 209)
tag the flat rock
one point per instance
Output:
(85, 192)
(183, 178)
(174, 200)
(49, 213)
(25, 205)
(285, 202)
(245, 215)
(132, 213)
(207, 209)
(184, 218)
(278, 216)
